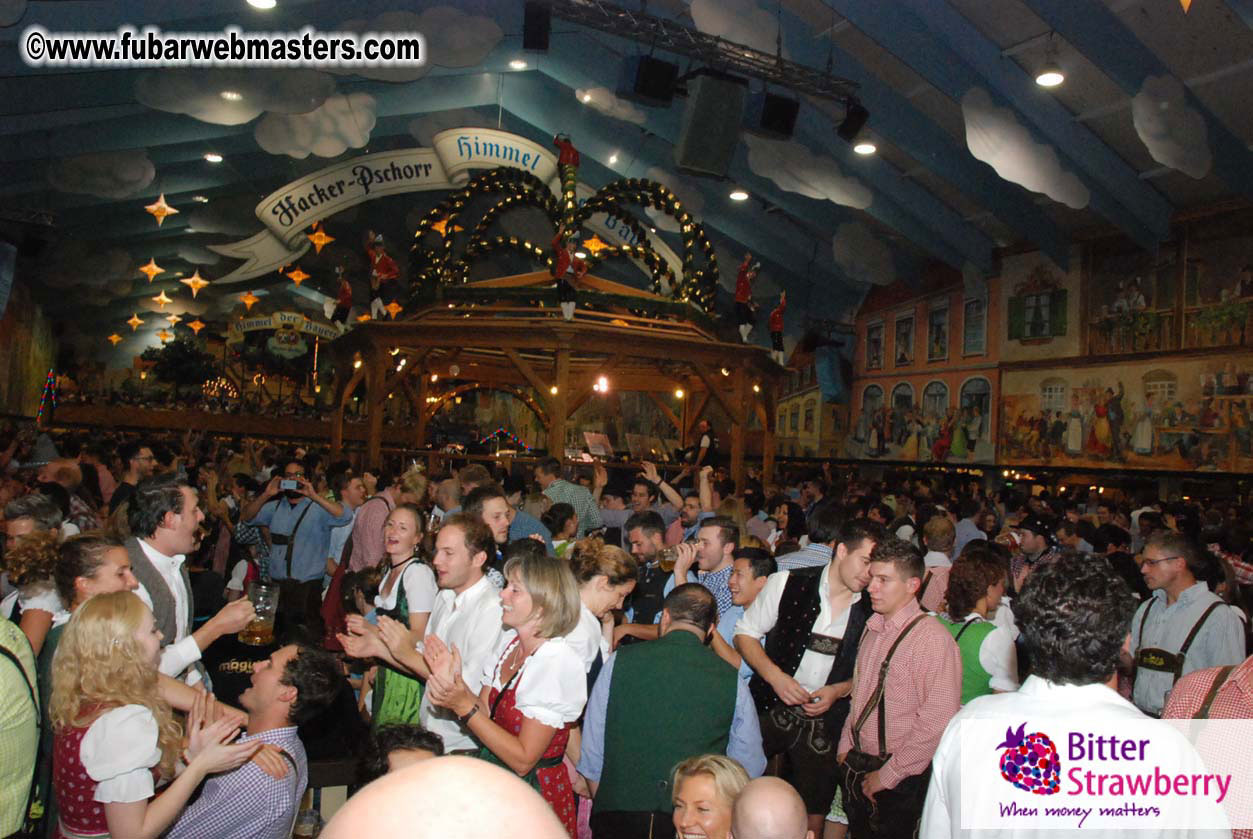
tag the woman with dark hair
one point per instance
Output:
(393, 747)
(976, 584)
(563, 523)
(790, 519)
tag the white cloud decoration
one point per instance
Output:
(248, 93)
(737, 21)
(605, 101)
(342, 123)
(1174, 132)
(453, 39)
(994, 135)
(862, 256)
(105, 175)
(794, 168)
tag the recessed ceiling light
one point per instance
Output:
(517, 64)
(865, 147)
(581, 254)
(1050, 76)
(200, 199)
(231, 95)
(739, 195)
(213, 157)
(613, 158)
(586, 97)
(262, 4)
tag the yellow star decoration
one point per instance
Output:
(160, 209)
(164, 335)
(1187, 4)
(195, 282)
(136, 321)
(319, 239)
(173, 319)
(248, 299)
(115, 339)
(441, 227)
(195, 326)
(363, 318)
(297, 276)
(393, 308)
(161, 299)
(595, 245)
(151, 270)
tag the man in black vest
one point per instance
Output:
(810, 621)
(164, 518)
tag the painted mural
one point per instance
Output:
(1185, 415)
(938, 426)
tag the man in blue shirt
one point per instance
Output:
(300, 523)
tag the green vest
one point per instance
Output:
(975, 678)
(669, 700)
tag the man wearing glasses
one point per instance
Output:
(300, 523)
(1183, 626)
(138, 463)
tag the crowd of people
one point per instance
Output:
(550, 652)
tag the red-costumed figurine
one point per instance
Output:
(776, 329)
(384, 275)
(565, 263)
(745, 311)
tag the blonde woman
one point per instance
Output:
(114, 737)
(533, 688)
(704, 789)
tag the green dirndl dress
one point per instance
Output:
(397, 695)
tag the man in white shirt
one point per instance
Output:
(466, 615)
(164, 517)
(800, 635)
(1074, 684)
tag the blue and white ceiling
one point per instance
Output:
(972, 154)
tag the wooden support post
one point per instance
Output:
(666, 412)
(424, 390)
(737, 428)
(767, 434)
(558, 406)
(375, 384)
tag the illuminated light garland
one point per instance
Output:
(502, 430)
(49, 394)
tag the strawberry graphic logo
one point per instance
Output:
(1030, 762)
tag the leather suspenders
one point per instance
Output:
(878, 698)
(1164, 661)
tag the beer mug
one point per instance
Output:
(264, 599)
(667, 556)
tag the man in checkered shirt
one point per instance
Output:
(293, 686)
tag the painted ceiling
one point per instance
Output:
(972, 155)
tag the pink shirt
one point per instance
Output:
(922, 691)
(367, 530)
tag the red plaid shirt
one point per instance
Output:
(922, 691)
(1233, 702)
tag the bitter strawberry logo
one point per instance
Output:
(1030, 761)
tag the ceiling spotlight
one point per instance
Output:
(678, 393)
(738, 194)
(603, 384)
(865, 147)
(553, 390)
(200, 199)
(756, 388)
(213, 157)
(586, 97)
(580, 254)
(231, 95)
(725, 371)
(1050, 75)
(613, 158)
(262, 4)
(517, 64)
(356, 365)
(435, 377)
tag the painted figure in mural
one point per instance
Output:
(1243, 427)
(1100, 440)
(1057, 432)
(1117, 416)
(944, 440)
(975, 429)
(1074, 428)
(745, 311)
(1142, 433)
(959, 447)
(1136, 301)
(384, 275)
(913, 430)
(566, 263)
(874, 445)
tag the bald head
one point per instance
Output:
(768, 808)
(448, 494)
(444, 797)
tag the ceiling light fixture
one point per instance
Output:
(1050, 75)
(581, 254)
(865, 147)
(213, 157)
(200, 199)
(517, 64)
(231, 95)
(613, 158)
(738, 194)
(263, 4)
(586, 97)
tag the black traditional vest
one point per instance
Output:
(792, 635)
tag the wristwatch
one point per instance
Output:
(474, 710)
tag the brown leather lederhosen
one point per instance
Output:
(1164, 661)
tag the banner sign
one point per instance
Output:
(289, 211)
(294, 323)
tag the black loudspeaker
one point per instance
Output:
(855, 117)
(772, 115)
(537, 19)
(711, 124)
(648, 80)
